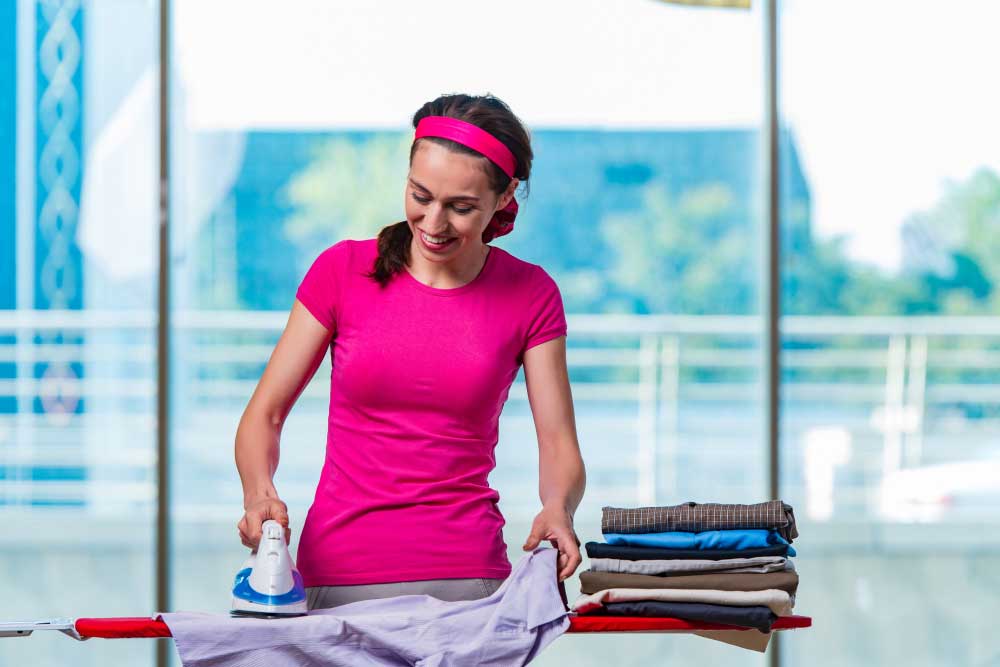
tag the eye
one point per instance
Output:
(460, 211)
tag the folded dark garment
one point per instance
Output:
(592, 582)
(602, 550)
(694, 517)
(760, 618)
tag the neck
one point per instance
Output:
(458, 271)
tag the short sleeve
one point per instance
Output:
(320, 289)
(547, 319)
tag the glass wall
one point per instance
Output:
(644, 206)
(78, 179)
(891, 341)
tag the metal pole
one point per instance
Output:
(772, 269)
(26, 62)
(163, 343)
(646, 458)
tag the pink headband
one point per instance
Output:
(482, 142)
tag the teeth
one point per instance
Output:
(436, 240)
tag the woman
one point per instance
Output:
(427, 327)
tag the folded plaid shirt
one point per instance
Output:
(697, 517)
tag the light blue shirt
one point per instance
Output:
(709, 539)
(510, 627)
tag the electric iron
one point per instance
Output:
(268, 585)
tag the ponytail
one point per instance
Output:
(393, 251)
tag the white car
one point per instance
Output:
(965, 489)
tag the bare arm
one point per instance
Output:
(297, 355)
(561, 474)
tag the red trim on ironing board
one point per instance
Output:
(653, 624)
(122, 628)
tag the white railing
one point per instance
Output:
(661, 401)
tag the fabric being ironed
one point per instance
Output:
(509, 627)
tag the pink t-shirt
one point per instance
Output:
(420, 375)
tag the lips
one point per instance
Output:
(435, 236)
(435, 246)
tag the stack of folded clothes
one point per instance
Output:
(699, 562)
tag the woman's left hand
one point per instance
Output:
(555, 524)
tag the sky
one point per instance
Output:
(887, 100)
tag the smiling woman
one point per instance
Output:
(412, 430)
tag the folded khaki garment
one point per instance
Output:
(592, 582)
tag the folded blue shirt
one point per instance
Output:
(748, 538)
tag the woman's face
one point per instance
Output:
(449, 203)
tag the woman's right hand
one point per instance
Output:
(257, 512)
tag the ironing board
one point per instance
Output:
(138, 627)
(744, 638)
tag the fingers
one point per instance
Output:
(569, 552)
(573, 562)
(240, 529)
(246, 542)
(244, 530)
(254, 519)
(279, 512)
(564, 539)
(251, 525)
(534, 537)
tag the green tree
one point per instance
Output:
(351, 189)
(964, 227)
(680, 254)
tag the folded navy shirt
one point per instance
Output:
(757, 617)
(602, 550)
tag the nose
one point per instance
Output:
(434, 218)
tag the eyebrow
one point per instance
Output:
(467, 197)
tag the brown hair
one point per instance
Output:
(486, 112)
